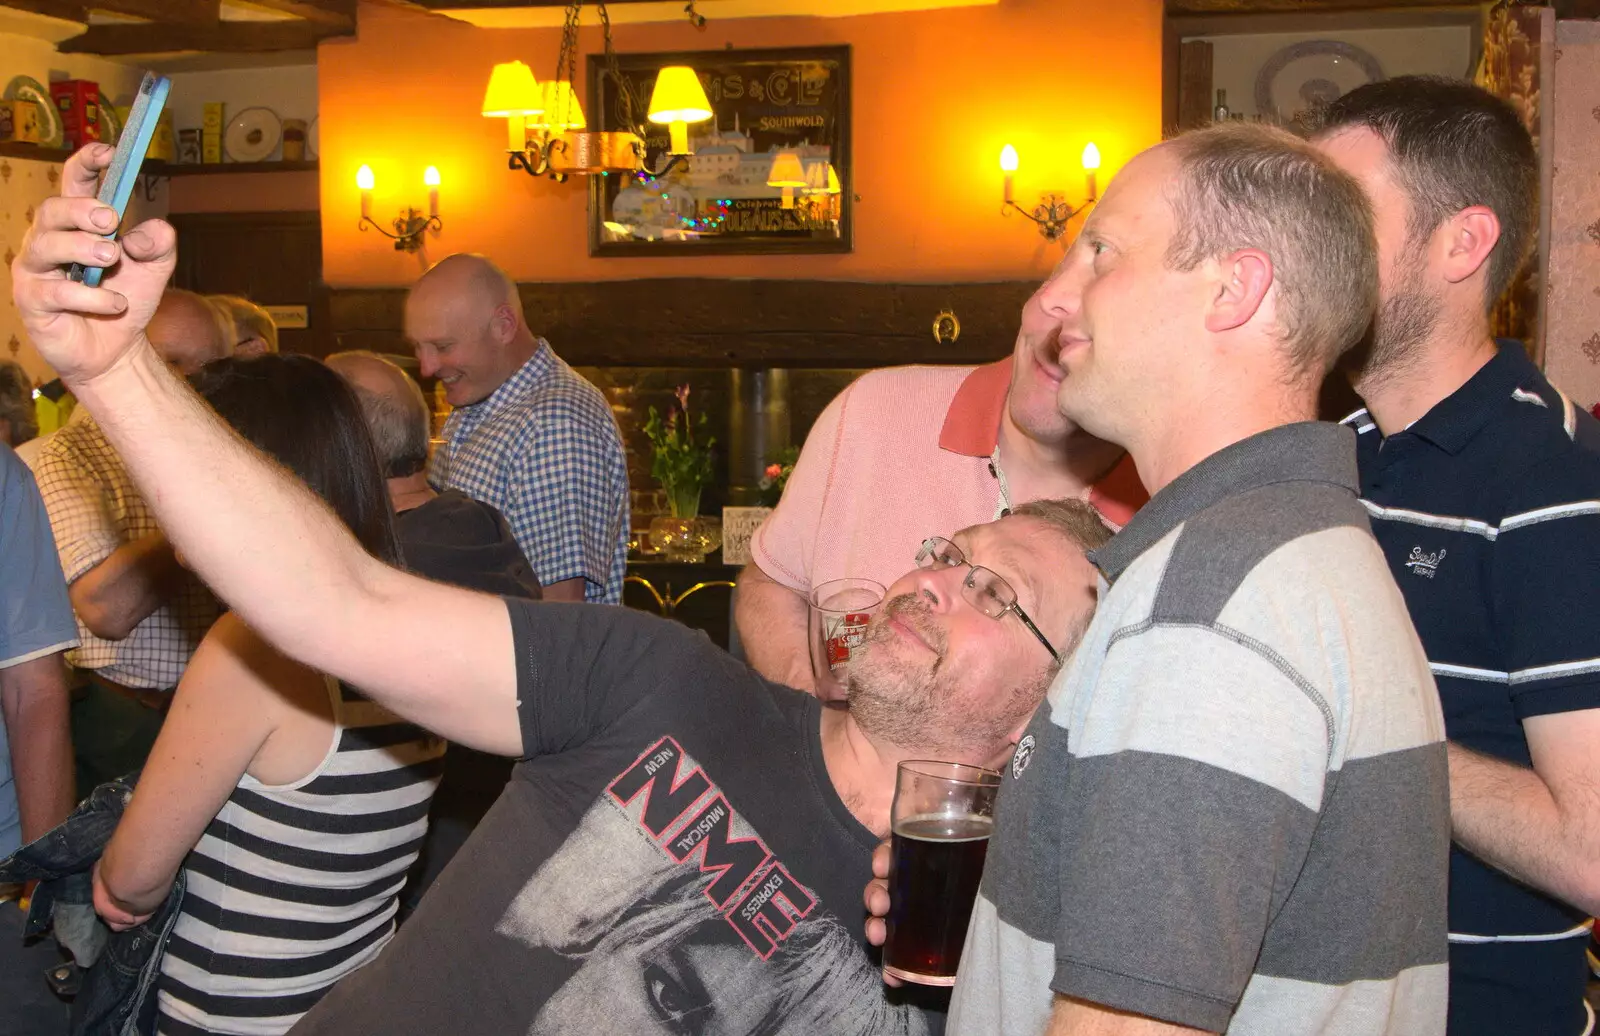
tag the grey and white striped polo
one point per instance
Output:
(1232, 811)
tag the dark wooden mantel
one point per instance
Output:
(702, 322)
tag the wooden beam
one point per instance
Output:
(337, 13)
(183, 12)
(63, 9)
(713, 322)
(221, 37)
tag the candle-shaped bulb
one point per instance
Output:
(1091, 157)
(1008, 165)
(430, 176)
(365, 180)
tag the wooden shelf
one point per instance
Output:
(211, 168)
(14, 149)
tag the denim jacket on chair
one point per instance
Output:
(117, 995)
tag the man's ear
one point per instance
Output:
(504, 323)
(250, 348)
(1244, 278)
(1469, 237)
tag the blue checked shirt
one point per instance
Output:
(544, 449)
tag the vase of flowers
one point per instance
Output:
(681, 462)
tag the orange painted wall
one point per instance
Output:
(936, 94)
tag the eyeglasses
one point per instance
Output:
(983, 589)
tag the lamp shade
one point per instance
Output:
(1091, 157)
(786, 171)
(1008, 159)
(679, 97)
(512, 91)
(562, 111)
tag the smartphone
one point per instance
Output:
(117, 186)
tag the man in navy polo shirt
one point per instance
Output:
(1483, 482)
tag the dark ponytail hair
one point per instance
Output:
(300, 412)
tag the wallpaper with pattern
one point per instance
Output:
(23, 184)
(1573, 306)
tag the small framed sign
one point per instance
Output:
(739, 525)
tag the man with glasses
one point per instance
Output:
(683, 844)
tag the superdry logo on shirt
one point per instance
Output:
(1425, 565)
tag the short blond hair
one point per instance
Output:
(1255, 186)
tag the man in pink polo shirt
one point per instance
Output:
(910, 452)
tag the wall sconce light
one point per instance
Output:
(1052, 214)
(410, 225)
(787, 174)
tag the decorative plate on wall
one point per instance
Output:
(1311, 74)
(26, 88)
(253, 135)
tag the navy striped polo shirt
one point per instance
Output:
(1488, 510)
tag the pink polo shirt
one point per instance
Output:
(900, 455)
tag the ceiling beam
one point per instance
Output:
(63, 9)
(187, 12)
(221, 37)
(337, 13)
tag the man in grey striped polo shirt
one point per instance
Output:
(1231, 813)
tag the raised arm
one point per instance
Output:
(437, 655)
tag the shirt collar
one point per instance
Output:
(972, 424)
(1310, 451)
(1456, 418)
(532, 371)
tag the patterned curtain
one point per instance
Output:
(1516, 41)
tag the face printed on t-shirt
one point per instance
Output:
(679, 919)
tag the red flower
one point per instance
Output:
(774, 470)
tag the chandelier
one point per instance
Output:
(547, 134)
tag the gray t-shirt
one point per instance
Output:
(35, 614)
(670, 858)
(1231, 813)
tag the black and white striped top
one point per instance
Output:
(294, 886)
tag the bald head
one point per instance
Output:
(465, 321)
(394, 407)
(188, 331)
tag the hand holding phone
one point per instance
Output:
(117, 186)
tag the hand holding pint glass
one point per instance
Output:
(840, 611)
(940, 824)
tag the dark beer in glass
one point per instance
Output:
(942, 816)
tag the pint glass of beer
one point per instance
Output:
(941, 819)
(840, 611)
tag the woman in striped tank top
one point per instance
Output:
(293, 805)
